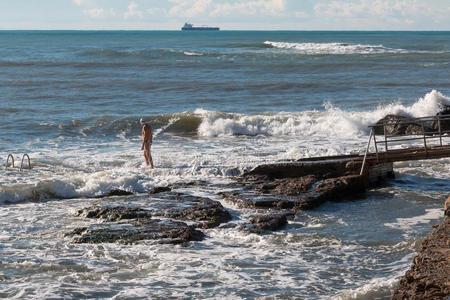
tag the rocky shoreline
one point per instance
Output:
(276, 193)
(429, 276)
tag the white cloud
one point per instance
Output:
(376, 8)
(264, 7)
(133, 11)
(189, 8)
(156, 11)
(99, 13)
(301, 15)
(80, 2)
(380, 13)
(199, 7)
(94, 12)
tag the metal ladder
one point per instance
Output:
(21, 164)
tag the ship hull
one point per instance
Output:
(200, 29)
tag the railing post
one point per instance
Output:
(424, 140)
(439, 126)
(385, 137)
(29, 163)
(367, 150)
(376, 147)
(7, 161)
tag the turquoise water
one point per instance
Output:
(220, 103)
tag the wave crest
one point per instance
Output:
(205, 123)
(332, 121)
(334, 48)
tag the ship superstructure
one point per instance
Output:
(189, 26)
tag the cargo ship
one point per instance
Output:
(188, 26)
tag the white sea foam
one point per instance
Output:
(332, 122)
(377, 288)
(189, 53)
(65, 170)
(407, 224)
(334, 48)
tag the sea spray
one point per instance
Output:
(160, 130)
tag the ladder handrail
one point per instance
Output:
(367, 151)
(29, 163)
(7, 160)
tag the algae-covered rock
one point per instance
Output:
(113, 213)
(159, 231)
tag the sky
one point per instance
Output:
(227, 14)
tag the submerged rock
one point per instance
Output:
(116, 192)
(205, 212)
(429, 277)
(245, 200)
(160, 231)
(113, 213)
(270, 222)
(159, 189)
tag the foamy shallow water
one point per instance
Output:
(321, 253)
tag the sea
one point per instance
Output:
(220, 103)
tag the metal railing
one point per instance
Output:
(408, 129)
(21, 164)
(7, 161)
(29, 163)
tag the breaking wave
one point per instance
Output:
(332, 121)
(334, 48)
(205, 123)
(83, 172)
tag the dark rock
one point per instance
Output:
(336, 189)
(228, 225)
(400, 125)
(319, 169)
(206, 212)
(116, 192)
(429, 277)
(160, 231)
(241, 200)
(159, 189)
(270, 222)
(113, 213)
(445, 123)
(191, 183)
(332, 189)
(298, 193)
(294, 186)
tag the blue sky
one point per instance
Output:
(228, 14)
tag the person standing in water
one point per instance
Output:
(147, 142)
